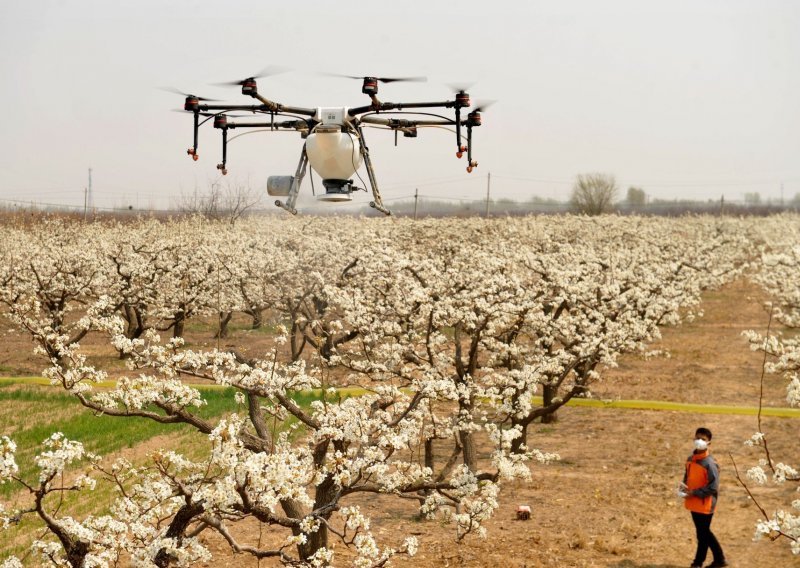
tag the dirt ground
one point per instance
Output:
(611, 501)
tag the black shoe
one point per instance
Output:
(718, 564)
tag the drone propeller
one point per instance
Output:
(462, 97)
(265, 72)
(474, 116)
(187, 95)
(482, 105)
(192, 102)
(370, 83)
(381, 79)
(460, 87)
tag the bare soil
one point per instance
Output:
(611, 500)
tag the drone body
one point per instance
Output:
(334, 146)
(334, 152)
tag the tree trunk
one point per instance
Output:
(179, 320)
(297, 341)
(177, 330)
(177, 530)
(469, 449)
(314, 541)
(325, 498)
(517, 444)
(224, 320)
(548, 394)
(258, 317)
(429, 453)
(135, 324)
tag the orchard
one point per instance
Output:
(430, 348)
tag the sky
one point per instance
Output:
(686, 99)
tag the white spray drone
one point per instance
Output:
(334, 145)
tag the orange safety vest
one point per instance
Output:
(697, 477)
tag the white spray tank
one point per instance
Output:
(334, 153)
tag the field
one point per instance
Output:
(609, 501)
(298, 392)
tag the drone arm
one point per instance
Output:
(286, 125)
(355, 111)
(401, 122)
(250, 108)
(276, 107)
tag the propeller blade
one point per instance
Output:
(271, 70)
(268, 71)
(339, 75)
(482, 105)
(402, 79)
(381, 79)
(179, 92)
(462, 87)
(182, 111)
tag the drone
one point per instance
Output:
(334, 143)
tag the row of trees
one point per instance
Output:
(597, 193)
(449, 327)
(778, 274)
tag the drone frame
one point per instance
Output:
(305, 120)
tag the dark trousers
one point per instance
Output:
(705, 539)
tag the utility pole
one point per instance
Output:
(416, 199)
(87, 196)
(488, 190)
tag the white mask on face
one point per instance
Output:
(700, 444)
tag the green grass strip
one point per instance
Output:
(316, 394)
(99, 434)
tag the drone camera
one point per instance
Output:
(410, 132)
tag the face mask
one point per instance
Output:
(700, 444)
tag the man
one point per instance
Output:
(701, 486)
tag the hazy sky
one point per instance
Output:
(693, 98)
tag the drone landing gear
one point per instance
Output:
(302, 166)
(378, 203)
